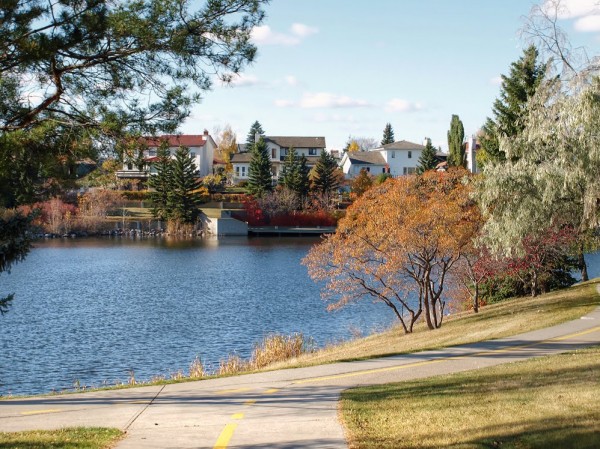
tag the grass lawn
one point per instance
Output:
(499, 320)
(69, 438)
(547, 403)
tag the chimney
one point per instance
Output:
(256, 137)
(206, 132)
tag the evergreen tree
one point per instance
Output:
(456, 148)
(325, 178)
(388, 134)
(304, 184)
(251, 139)
(510, 108)
(161, 182)
(260, 176)
(428, 159)
(290, 173)
(183, 203)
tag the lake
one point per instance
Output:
(93, 310)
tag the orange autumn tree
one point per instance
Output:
(398, 245)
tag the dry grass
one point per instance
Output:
(69, 438)
(504, 319)
(548, 402)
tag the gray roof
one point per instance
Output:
(366, 157)
(241, 157)
(401, 145)
(297, 142)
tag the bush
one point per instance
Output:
(133, 195)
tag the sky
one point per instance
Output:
(340, 68)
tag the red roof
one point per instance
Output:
(176, 140)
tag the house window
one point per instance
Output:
(312, 151)
(237, 171)
(394, 155)
(151, 153)
(192, 155)
(273, 153)
(368, 169)
(409, 170)
(383, 170)
(129, 166)
(243, 171)
(409, 154)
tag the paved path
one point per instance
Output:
(295, 408)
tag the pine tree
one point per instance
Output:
(183, 202)
(388, 134)
(260, 175)
(509, 109)
(456, 148)
(251, 139)
(428, 159)
(161, 182)
(325, 179)
(304, 184)
(290, 173)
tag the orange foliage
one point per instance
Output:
(397, 245)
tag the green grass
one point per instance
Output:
(68, 438)
(509, 317)
(546, 403)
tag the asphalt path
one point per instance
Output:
(294, 408)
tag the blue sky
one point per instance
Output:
(336, 68)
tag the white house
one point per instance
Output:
(202, 150)
(398, 158)
(278, 147)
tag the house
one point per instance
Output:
(471, 148)
(202, 151)
(278, 147)
(398, 158)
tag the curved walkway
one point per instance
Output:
(294, 408)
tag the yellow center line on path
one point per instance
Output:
(237, 416)
(445, 359)
(235, 390)
(225, 436)
(40, 412)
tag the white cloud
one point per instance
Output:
(496, 81)
(329, 100)
(574, 8)
(291, 80)
(266, 36)
(400, 105)
(244, 80)
(284, 103)
(301, 30)
(588, 23)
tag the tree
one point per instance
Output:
(14, 246)
(304, 184)
(517, 88)
(255, 129)
(325, 178)
(397, 245)
(290, 173)
(161, 182)
(360, 184)
(428, 159)
(183, 203)
(388, 134)
(552, 169)
(360, 144)
(260, 176)
(456, 148)
(227, 147)
(94, 63)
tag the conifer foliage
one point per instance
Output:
(510, 108)
(251, 138)
(325, 174)
(456, 148)
(428, 159)
(160, 182)
(294, 175)
(260, 176)
(388, 134)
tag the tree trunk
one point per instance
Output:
(534, 283)
(582, 264)
(476, 298)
